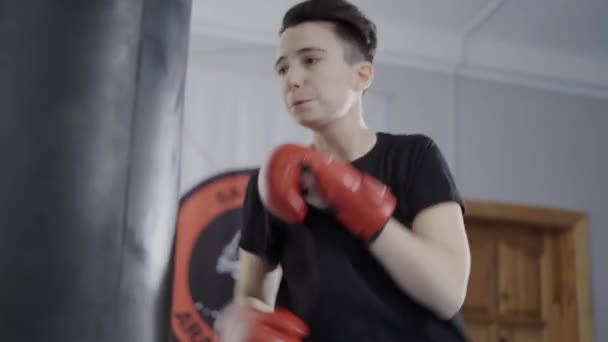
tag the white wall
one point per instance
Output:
(225, 127)
(505, 142)
(421, 102)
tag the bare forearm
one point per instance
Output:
(264, 298)
(258, 282)
(428, 272)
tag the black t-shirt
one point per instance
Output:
(330, 278)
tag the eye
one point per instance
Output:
(311, 61)
(281, 70)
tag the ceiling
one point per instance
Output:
(561, 43)
(577, 27)
(451, 16)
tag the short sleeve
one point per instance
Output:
(431, 181)
(259, 235)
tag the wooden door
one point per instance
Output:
(529, 283)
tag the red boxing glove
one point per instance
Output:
(362, 204)
(245, 324)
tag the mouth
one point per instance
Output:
(297, 103)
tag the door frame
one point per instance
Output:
(572, 232)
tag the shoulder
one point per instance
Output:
(409, 141)
(423, 174)
(409, 149)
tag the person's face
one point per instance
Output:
(318, 85)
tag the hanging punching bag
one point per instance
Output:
(91, 97)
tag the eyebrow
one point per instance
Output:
(299, 52)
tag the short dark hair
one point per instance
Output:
(350, 25)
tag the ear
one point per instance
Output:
(365, 75)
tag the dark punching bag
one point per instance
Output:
(91, 96)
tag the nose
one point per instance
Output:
(294, 78)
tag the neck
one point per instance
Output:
(347, 138)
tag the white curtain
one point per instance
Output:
(232, 120)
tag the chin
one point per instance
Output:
(313, 124)
(308, 119)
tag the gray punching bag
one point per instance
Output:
(91, 97)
